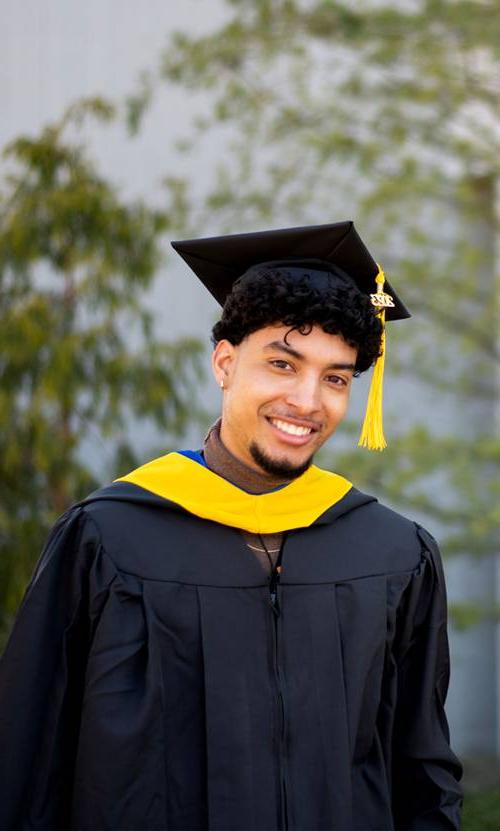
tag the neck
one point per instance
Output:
(221, 461)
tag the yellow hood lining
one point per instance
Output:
(199, 491)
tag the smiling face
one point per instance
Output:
(282, 398)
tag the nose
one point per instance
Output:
(305, 396)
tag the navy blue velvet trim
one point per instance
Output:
(195, 455)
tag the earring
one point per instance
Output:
(221, 383)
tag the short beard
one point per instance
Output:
(280, 470)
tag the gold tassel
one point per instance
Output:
(372, 434)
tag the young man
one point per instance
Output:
(233, 639)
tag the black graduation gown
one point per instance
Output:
(150, 683)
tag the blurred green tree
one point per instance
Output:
(482, 811)
(389, 112)
(79, 357)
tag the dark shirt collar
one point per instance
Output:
(221, 461)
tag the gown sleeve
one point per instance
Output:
(426, 773)
(41, 680)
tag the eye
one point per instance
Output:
(279, 363)
(336, 380)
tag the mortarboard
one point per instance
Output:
(335, 249)
(219, 261)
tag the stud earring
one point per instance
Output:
(221, 383)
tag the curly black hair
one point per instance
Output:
(267, 295)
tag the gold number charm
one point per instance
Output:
(382, 300)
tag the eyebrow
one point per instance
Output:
(281, 346)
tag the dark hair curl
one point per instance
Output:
(272, 296)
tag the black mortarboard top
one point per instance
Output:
(336, 248)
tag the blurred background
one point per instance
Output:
(125, 127)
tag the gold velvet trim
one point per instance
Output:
(201, 492)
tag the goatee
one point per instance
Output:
(279, 469)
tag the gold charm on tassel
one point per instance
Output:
(372, 433)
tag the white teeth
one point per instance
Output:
(291, 429)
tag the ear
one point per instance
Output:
(222, 360)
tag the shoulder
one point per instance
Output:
(74, 529)
(140, 532)
(387, 520)
(389, 536)
(118, 508)
(68, 554)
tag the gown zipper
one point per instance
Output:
(276, 612)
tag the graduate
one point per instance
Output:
(230, 638)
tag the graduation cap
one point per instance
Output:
(333, 252)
